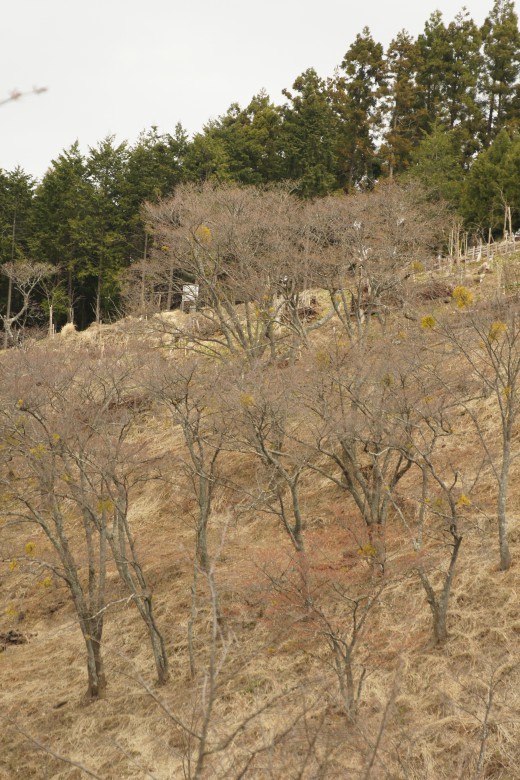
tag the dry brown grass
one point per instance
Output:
(434, 726)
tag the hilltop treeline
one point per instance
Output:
(444, 108)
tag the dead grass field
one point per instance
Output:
(431, 700)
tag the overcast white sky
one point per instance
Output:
(120, 66)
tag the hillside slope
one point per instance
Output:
(294, 652)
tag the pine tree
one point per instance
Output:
(207, 157)
(493, 185)
(251, 138)
(16, 199)
(433, 52)
(511, 179)
(154, 167)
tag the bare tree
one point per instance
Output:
(434, 519)
(446, 509)
(361, 426)
(487, 339)
(336, 607)
(185, 388)
(269, 426)
(24, 277)
(69, 471)
(368, 246)
(244, 250)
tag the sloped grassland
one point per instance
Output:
(260, 657)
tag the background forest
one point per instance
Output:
(443, 108)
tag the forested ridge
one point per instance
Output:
(443, 108)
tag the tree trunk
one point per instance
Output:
(10, 286)
(143, 271)
(505, 555)
(440, 633)
(202, 537)
(439, 606)
(70, 292)
(132, 575)
(376, 538)
(157, 642)
(98, 300)
(95, 666)
(350, 702)
(99, 289)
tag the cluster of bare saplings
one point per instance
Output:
(273, 405)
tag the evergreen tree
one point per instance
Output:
(493, 185)
(308, 135)
(433, 48)
(400, 103)
(511, 179)
(513, 110)
(154, 166)
(438, 163)
(62, 225)
(261, 123)
(251, 139)
(16, 199)
(106, 170)
(356, 100)
(463, 70)
(207, 157)
(501, 65)
(449, 68)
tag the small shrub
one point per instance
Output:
(462, 297)
(428, 322)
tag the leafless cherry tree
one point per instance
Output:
(269, 427)
(433, 507)
(245, 251)
(24, 277)
(70, 469)
(368, 246)
(487, 340)
(360, 428)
